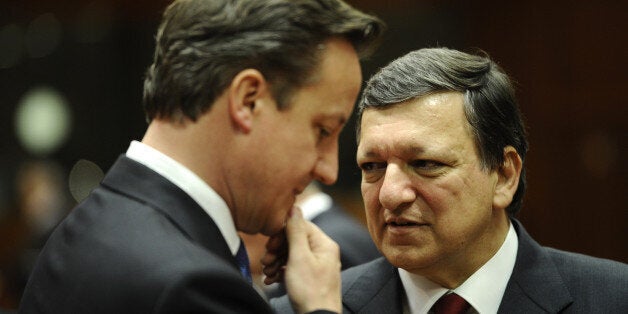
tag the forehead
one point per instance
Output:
(428, 122)
(335, 84)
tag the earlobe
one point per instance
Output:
(245, 90)
(508, 178)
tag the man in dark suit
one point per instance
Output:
(442, 148)
(245, 101)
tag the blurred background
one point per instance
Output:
(71, 77)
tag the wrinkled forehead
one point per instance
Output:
(422, 127)
(440, 112)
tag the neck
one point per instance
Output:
(191, 144)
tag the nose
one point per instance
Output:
(396, 189)
(326, 167)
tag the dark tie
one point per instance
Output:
(450, 304)
(242, 258)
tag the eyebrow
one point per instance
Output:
(338, 117)
(406, 151)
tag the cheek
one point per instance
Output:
(446, 195)
(437, 198)
(457, 205)
(370, 195)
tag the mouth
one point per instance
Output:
(404, 230)
(403, 223)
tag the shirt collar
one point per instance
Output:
(191, 184)
(483, 290)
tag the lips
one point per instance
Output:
(402, 222)
(400, 231)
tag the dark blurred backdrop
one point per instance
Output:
(71, 80)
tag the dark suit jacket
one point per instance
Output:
(544, 280)
(138, 244)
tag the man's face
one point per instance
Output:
(300, 144)
(429, 202)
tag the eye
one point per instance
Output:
(372, 171)
(323, 132)
(427, 166)
(372, 166)
(423, 163)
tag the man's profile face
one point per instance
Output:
(428, 201)
(300, 144)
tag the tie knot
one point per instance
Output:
(450, 304)
(242, 258)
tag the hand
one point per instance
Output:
(275, 258)
(312, 272)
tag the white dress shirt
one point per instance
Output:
(191, 184)
(483, 290)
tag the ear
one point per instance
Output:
(246, 88)
(507, 178)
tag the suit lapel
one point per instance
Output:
(375, 290)
(535, 284)
(137, 181)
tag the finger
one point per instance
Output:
(271, 269)
(297, 233)
(268, 258)
(277, 242)
(275, 278)
(317, 239)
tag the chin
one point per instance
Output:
(273, 228)
(406, 259)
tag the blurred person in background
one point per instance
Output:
(245, 102)
(442, 145)
(32, 202)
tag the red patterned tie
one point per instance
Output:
(450, 304)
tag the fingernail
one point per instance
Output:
(295, 212)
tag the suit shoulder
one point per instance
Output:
(582, 266)
(593, 282)
(356, 271)
(378, 267)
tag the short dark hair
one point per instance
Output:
(202, 44)
(489, 100)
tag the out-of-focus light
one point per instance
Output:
(43, 35)
(42, 120)
(94, 22)
(84, 177)
(11, 43)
